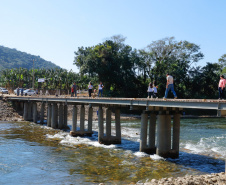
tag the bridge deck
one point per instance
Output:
(140, 102)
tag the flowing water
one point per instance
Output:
(36, 154)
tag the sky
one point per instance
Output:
(54, 29)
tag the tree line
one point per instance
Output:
(126, 72)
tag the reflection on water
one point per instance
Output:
(30, 156)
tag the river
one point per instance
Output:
(36, 154)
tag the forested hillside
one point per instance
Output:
(12, 58)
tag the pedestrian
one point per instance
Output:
(221, 87)
(22, 91)
(90, 87)
(150, 90)
(17, 91)
(74, 90)
(100, 89)
(169, 86)
(155, 87)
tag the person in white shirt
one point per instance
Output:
(90, 87)
(150, 90)
(100, 89)
(169, 86)
(155, 87)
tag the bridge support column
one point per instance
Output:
(108, 126)
(25, 111)
(108, 138)
(49, 115)
(54, 117)
(152, 129)
(143, 133)
(74, 121)
(65, 116)
(35, 116)
(117, 126)
(90, 120)
(42, 113)
(100, 125)
(164, 135)
(57, 116)
(61, 117)
(29, 111)
(176, 135)
(82, 131)
(82, 119)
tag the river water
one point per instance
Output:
(36, 154)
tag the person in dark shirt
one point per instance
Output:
(74, 89)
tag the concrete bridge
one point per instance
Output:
(155, 118)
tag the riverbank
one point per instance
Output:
(215, 178)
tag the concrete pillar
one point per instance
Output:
(29, 111)
(143, 132)
(65, 116)
(152, 130)
(176, 135)
(164, 135)
(49, 115)
(42, 113)
(53, 120)
(108, 124)
(35, 116)
(74, 119)
(118, 125)
(90, 119)
(61, 117)
(25, 111)
(100, 125)
(57, 116)
(82, 118)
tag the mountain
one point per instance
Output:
(12, 58)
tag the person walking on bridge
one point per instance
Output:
(221, 87)
(74, 86)
(100, 89)
(169, 86)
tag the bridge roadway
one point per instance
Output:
(137, 102)
(158, 119)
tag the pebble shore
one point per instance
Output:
(214, 178)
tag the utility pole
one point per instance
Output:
(33, 80)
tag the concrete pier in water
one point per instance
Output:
(160, 120)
